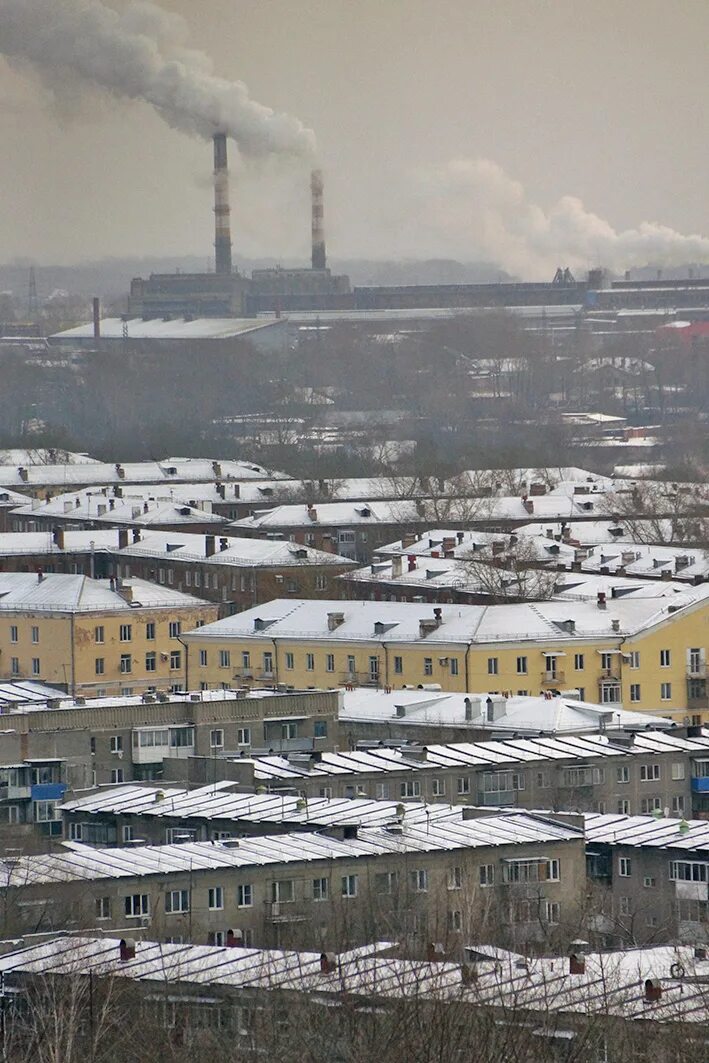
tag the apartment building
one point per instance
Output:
(234, 572)
(59, 745)
(98, 509)
(644, 654)
(650, 877)
(283, 1003)
(504, 876)
(95, 636)
(627, 774)
(426, 716)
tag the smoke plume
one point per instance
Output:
(476, 207)
(140, 54)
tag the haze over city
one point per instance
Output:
(502, 133)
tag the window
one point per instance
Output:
(177, 901)
(524, 870)
(634, 658)
(321, 889)
(35, 635)
(224, 659)
(438, 787)
(428, 666)
(398, 665)
(622, 775)
(116, 775)
(624, 866)
(607, 661)
(216, 937)
(126, 663)
(36, 669)
(649, 804)
(76, 832)
(137, 905)
(486, 874)
(463, 784)
(127, 833)
(649, 882)
(418, 880)
(175, 660)
(99, 666)
(116, 743)
(665, 658)
(309, 663)
(215, 898)
(283, 891)
(649, 772)
(150, 630)
(103, 907)
(349, 885)
(543, 780)
(45, 811)
(678, 803)
(289, 730)
(125, 632)
(492, 665)
(244, 896)
(689, 871)
(320, 582)
(290, 662)
(13, 633)
(174, 629)
(578, 662)
(15, 665)
(624, 807)
(216, 738)
(635, 692)
(410, 788)
(385, 882)
(351, 664)
(665, 691)
(678, 770)
(610, 693)
(455, 921)
(326, 792)
(521, 666)
(454, 665)
(268, 662)
(495, 782)
(243, 736)
(455, 878)
(329, 662)
(552, 912)
(624, 906)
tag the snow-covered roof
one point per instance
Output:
(103, 510)
(69, 593)
(611, 984)
(178, 328)
(167, 470)
(543, 623)
(82, 863)
(552, 714)
(648, 832)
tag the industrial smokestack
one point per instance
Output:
(318, 255)
(96, 306)
(222, 227)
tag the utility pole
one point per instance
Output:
(32, 299)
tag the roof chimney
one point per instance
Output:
(209, 545)
(577, 963)
(318, 232)
(126, 949)
(222, 226)
(601, 600)
(234, 939)
(653, 990)
(328, 962)
(122, 538)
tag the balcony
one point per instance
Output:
(284, 912)
(265, 677)
(553, 678)
(691, 891)
(498, 798)
(697, 670)
(700, 784)
(697, 694)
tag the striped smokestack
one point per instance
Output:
(222, 227)
(318, 255)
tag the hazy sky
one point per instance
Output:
(604, 101)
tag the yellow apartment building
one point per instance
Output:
(645, 654)
(96, 637)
